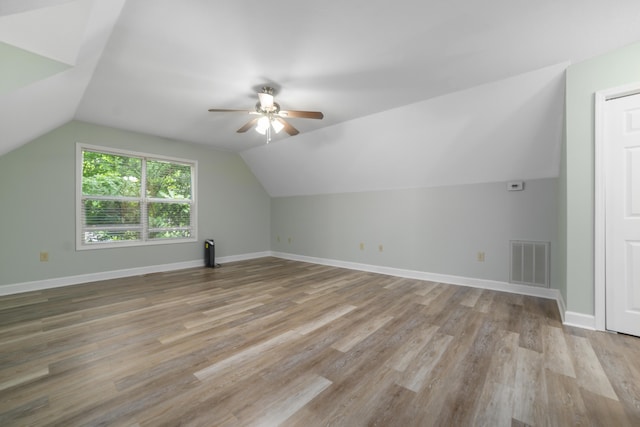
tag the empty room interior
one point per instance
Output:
(404, 213)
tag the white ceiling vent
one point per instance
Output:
(529, 263)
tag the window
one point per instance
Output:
(127, 199)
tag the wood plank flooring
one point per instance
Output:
(274, 342)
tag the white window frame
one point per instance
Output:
(81, 245)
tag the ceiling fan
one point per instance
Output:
(270, 116)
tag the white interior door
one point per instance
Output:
(622, 195)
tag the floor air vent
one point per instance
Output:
(530, 263)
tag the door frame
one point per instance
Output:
(599, 273)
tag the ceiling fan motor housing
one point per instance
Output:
(275, 108)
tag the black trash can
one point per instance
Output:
(209, 253)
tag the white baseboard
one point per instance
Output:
(568, 317)
(118, 274)
(585, 321)
(243, 257)
(433, 277)
(94, 277)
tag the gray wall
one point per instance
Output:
(37, 206)
(435, 230)
(614, 69)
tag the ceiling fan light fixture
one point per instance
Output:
(263, 125)
(277, 126)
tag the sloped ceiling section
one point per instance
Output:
(511, 129)
(9, 7)
(168, 61)
(59, 45)
(53, 32)
(394, 79)
(21, 68)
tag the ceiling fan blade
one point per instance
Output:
(302, 114)
(287, 127)
(248, 125)
(226, 110)
(266, 101)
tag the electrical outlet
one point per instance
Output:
(289, 240)
(44, 256)
(480, 256)
(380, 248)
(361, 246)
(278, 239)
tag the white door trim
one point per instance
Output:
(601, 97)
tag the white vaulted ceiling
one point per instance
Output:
(36, 39)
(511, 129)
(391, 78)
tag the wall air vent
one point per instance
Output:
(529, 263)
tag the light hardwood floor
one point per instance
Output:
(276, 342)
